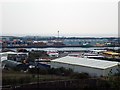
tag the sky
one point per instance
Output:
(96, 18)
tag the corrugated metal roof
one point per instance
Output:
(95, 63)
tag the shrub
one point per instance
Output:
(80, 76)
(60, 71)
(38, 71)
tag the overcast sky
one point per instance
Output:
(70, 17)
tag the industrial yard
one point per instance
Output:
(59, 45)
(23, 67)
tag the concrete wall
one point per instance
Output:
(111, 71)
(91, 71)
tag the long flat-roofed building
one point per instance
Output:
(93, 67)
(16, 56)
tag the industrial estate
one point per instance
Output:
(33, 62)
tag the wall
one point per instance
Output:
(77, 68)
(111, 71)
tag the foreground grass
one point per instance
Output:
(15, 78)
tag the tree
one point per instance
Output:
(36, 55)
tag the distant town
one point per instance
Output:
(39, 41)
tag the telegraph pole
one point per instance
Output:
(58, 35)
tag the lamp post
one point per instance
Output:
(38, 75)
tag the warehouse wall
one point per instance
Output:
(111, 71)
(76, 68)
(91, 71)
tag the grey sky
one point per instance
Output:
(71, 18)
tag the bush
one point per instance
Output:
(36, 54)
(43, 71)
(38, 71)
(80, 76)
(60, 71)
(114, 82)
(33, 71)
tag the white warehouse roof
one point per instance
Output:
(95, 63)
(13, 53)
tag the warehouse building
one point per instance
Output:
(93, 67)
(13, 65)
(53, 53)
(15, 56)
(110, 54)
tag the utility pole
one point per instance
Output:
(58, 35)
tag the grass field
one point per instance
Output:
(10, 78)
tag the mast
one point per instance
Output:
(58, 35)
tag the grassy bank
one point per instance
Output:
(15, 78)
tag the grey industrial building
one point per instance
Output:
(93, 67)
